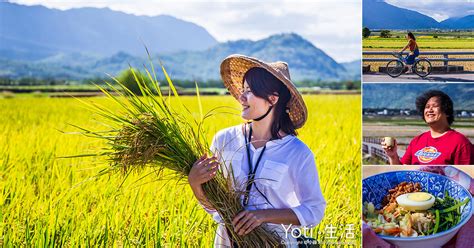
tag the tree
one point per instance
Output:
(126, 78)
(366, 32)
(385, 34)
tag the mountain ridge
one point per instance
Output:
(306, 61)
(50, 43)
(378, 14)
(99, 31)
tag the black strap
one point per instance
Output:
(251, 176)
(263, 116)
(252, 173)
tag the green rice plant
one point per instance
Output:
(150, 132)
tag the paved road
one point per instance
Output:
(382, 77)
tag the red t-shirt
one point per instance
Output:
(451, 148)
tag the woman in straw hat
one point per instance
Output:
(275, 170)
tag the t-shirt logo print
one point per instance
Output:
(427, 154)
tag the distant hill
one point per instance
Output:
(35, 32)
(84, 43)
(353, 68)
(466, 22)
(402, 96)
(305, 60)
(377, 14)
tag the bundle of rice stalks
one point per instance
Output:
(150, 132)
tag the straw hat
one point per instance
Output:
(234, 67)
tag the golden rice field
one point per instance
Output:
(468, 65)
(48, 201)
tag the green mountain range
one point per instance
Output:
(306, 62)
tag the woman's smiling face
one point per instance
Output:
(433, 112)
(252, 105)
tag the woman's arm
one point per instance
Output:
(246, 221)
(407, 46)
(312, 204)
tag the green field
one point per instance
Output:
(440, 41)
(439, 33)
(47, 201)
(414, 121)
(426, 40)
(423, 43)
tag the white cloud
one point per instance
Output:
(333, 26)
(437, 9)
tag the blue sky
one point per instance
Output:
(333, 26)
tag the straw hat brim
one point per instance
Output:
(233, 69)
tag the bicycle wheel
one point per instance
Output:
(394, 68)
(422, 67)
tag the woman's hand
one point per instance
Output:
(246, 221)
(203, 170)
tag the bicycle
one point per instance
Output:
(395, 67)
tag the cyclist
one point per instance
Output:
(414, 52)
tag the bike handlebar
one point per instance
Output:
(397, 54)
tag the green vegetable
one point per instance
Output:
(448, 212)
(455, 207)
(435, 230)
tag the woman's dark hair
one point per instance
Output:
(446, 103)
(410, 34)
(264, 84)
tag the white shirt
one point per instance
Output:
(286, 175)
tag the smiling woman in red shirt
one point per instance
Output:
(441, 145)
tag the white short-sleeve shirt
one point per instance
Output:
(286, 177)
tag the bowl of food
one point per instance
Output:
(415, 208)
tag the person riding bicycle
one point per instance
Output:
(414, 52)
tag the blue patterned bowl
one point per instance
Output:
(375, 188)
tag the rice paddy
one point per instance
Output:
(424, 42)
(433, 42)
(48, 201)
(468, 65)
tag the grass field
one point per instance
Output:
(46, 201)
(446, 42)
(468, 65)
(428, 33)
(423, 42)
(414, 121)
